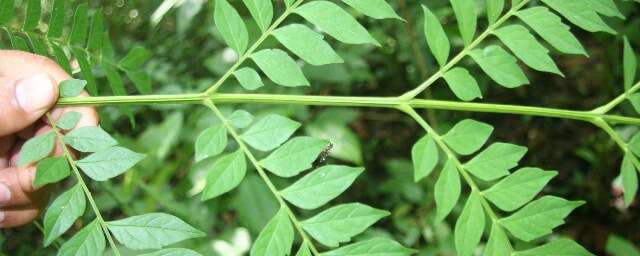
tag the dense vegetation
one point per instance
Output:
(284, 127)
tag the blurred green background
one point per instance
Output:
(189, 55)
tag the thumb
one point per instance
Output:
(24, 101)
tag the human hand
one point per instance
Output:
(28, 89)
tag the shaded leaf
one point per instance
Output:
(32, 14)
(36, 148)
(425, 157)
(51, 170)
(62, 213)
(56, 20)
(630, 64)
(80, 27)
(629, 179)
(88, 241)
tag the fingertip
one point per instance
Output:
(36, 94)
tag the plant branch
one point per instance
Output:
(87, 192)
(615, 102)
(619, 141)
(413, 93)
(349, 101)
(263, 175)
(211, 90)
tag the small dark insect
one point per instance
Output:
(323, 155)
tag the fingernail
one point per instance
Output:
(5, 194)
(35, 93)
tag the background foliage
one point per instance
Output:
(188, 54)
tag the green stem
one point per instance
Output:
(615, 102)
(253, 47)
(86, 190)
(451, 156)
(413, 93)
(263, 175)
(346, 101)
(619, 141)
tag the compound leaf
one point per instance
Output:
(550, 27)
(307, 44)
(539, 217)
(276, 238)
(525, 46)
(374, 246)
(261, 11)
(470, 226)
(109, 163)
(295, 156)
(225, 174)
(463, 85)
(468, 136)
(425, 157)
(151, 231)
(88, 241)
(377, 9)
(340, 223)
(495, 161)
(270, 132)
(62, 213)
(36, 148)
(211, 142)
(248, 78)
(518, 188)
(51, 170)
(231, 26)
(465, 11)
(447, 190)
(321, 186)
(336, 22)
(501, 66)
(436, 37)
(280, 67)
(89, 139)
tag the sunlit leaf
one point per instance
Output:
(320, 186)
(151, 231)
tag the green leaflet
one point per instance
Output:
(211, 142)
(62, 213)
(32, 15)
(94, 43)
(580, 14)
(288, 3)
(525, 46)
(270, 132)
(495, 161)
(436, 37)
(51, 170)
(518, 188)
(141, 80)
(225, 174)
(248, 78)
(280, 68)
(468, 136)
(231, 26)
(447, 190)
(88, 241)
(550, 27)
(135, 58)
(375, 246)
(630, 64)
(307, 44)
(151, 231)
(173, 252)
(71, 87)
(56, 22)
(68, 120)
(320, 186)
(276, 238)
(500, 66)
(635, 101)
(346, 144)
(336, 22)
(463, 85)
(36, 148)
(80, 27)
(634, 144)
(108, 163)
(89, 139)
(618, 246)
(556, 247)
(606, 7)
(629, 179)
(498, 244)
(494, 10)
(470, 226)
(7, 11)
(261, 11)
(377, 9)
(340, 223)
(240, 119)
(304, 250)
(465, 11)
(425, 157)
(539, 217)
(295, 156)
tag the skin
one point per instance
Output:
(28, 90)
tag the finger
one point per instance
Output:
(10, 218)
(18, 65)
(24, 101)
(6, 143)
(16, 187)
